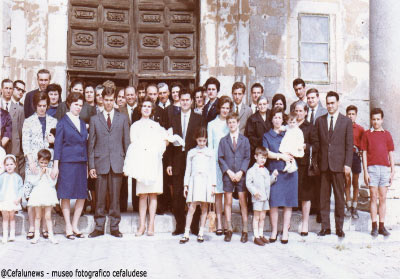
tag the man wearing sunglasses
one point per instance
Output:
(18, 92)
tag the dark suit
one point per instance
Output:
(235, 160)
(334, 153)
(85, 114)
(158, 116)
(28, 103)
(321, 110)
(107, 149)
(15, 145)
(177, 159)
(256, 127)
(210, 114)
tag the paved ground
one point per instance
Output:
(357, 256)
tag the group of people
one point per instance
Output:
(182, 149)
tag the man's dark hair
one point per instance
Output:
(312, 90)
(332, 93)
(257, 85)
(298, 81)
(43, 71)
(18, 81)
(212, 81)
(238, 85)
(5, 81)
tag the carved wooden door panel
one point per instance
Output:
(100, 39)
(166, 39)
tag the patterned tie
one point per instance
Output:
(312, 116)
(234, 143)
(331, 128)
(108, 121)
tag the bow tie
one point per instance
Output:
(261, 166)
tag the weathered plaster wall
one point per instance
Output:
(257, 41)
(38, 39)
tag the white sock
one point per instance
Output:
(12, 234)
(186, 234)
(255, 232)
(201, 231)
(354, 204)
(261, 232)
(5, 236)
(348, 203)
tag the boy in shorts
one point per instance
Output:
(258, 182)
(378, 164)
(234, 159)
(358, 131)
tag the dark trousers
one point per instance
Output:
(110, 183)
(124, 195)
(21, 166)
(315, 181)
(337, 181)
(179, 203)
(164, 200)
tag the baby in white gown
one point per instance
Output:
(292, 143)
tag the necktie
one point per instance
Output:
(312, 116)
(7, 106)
(184, 126)
(331, 128)
(237, 109)
(234, 143)
(108, 121)
(131, 114)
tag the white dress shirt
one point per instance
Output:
(253, 107)
(335, 116)
(75, 120)
(236, 135)
(130, 110)
(309, 113)
(162, 105)
(105, 113)
(187, 114)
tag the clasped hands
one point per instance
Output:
(235, 177)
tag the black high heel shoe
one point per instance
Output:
(272, 240)
(304, 233)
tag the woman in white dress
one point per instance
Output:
(144, 162)
(216, 130)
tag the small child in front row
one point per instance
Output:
(292, 143)
(378, 164)
(258, 182)
(199, 181)
(43, 195)
(11, 190)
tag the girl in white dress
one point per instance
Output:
(144, 162)
(11, 190)
(216, 130)
(199, 182)
(43, 196)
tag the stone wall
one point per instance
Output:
(35, 38)
(257, 41)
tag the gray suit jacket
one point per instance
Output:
(124, 110)
(244, 115)
(321, 110)
(17, 116)
(107, 147)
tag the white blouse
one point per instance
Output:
(75, 120)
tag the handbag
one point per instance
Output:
(313, 169)
(211, 218)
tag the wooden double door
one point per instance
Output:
(129, 41)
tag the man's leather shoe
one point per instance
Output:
(374, 232)
(244, 237)
(178, 232)
(96, 233)
(324, 232)
(340, 233)
(116, 233)
(259, 242)
(265, 240)
(228, 236)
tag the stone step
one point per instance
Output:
(166, 223)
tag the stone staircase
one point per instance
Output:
(166, 223)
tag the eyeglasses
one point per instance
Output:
(20, 89)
